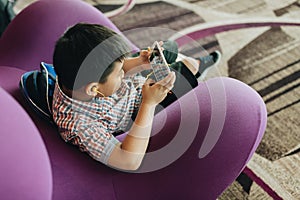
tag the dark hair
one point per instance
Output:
(86, 53)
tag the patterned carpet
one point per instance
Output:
(267, 59)
(144, 28)
(271, 65)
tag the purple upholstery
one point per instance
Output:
(77, 176)
(25, 45)
(25, 171)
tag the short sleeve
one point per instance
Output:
(97, 142)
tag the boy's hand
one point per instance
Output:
(145, 56)
(153, 94)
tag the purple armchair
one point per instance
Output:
(226, 121)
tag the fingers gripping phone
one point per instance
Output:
(158, 63)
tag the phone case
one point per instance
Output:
(158, 63)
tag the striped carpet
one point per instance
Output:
(271, 65)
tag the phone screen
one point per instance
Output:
(158, 63)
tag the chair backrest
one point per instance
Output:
(30, 38)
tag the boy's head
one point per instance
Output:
(87, 53)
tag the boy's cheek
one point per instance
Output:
(117, 87)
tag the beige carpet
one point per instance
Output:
(235, 192)
(271, 65)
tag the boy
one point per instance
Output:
(93, 100)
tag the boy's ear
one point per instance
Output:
(91, 89)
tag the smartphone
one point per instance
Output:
(158, 63)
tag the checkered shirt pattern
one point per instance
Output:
(90, 125)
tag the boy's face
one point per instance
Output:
(114, 80)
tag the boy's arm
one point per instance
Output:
(129, 155)
(137, 64)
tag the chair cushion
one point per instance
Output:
(220, 104)
(25, 171)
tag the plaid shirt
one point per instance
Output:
(90, 125)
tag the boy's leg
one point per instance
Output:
(200, 66)
(185, 82)
(187, 71)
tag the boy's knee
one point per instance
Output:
(170, 51)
